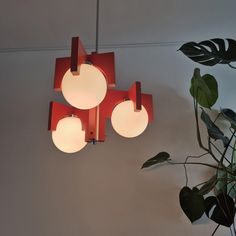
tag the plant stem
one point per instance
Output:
(215, 230)
(197, 126)
(199, 156)
(233, 153)
(218, 179)
(210, 150)
(219, 151)
(199, 134)
(186, 175)
(232, 132)
(233, 148)
(226, 148)
(231, 187)
(195, 163)
(231, 66)
(185, 168)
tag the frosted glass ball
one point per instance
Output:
(69, 136)
(86, 90)
(127, 122)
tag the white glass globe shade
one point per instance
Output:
(69, 136)
(86, 90)
(127, 122)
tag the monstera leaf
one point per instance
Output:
(211, 52)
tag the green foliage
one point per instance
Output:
(220, 190)
(159, 158)
(231, 188)
(221, 185)
(204, 89)
(213, 131)
(226, 181)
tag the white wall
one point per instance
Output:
(101, 190)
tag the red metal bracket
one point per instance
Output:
(62, 65)
(147, 102)
(91, 135)
(58, 111)
(106, 63)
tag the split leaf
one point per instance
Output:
(210, 52)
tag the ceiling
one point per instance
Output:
(49, 24)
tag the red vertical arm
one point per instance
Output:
(147, 102)
(78, 55)
(135, 95)
(91, 133)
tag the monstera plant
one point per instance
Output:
(216, 197)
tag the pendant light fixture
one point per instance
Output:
(86, 82)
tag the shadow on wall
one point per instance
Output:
(174, 132)
(174, 125)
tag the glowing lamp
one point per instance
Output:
(86, 90)
(127, 122)
(86, 82)
(69, 136)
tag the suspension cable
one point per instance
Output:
(97, 26)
